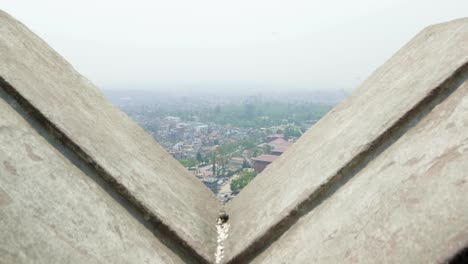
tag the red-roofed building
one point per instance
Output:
(278, 150)
(277, 142)
(286, 144)
(274, 137)
(260, 162)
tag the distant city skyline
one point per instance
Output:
(235, 45)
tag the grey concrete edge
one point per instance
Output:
(310, 200)
(165, 233)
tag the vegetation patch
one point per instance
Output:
(238, 184)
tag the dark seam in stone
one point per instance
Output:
(77, 156)
(460, 257)
(355, 165)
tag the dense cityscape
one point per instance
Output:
(225, 141)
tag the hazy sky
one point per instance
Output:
(303, 44)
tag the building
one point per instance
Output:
(274, 137)
(278, 150)
(277, 142)
(236, 163)
(262, 161)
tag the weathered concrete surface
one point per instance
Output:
(51, 211)
(340, 144)
(107, 139)
(382, 178)
(409, 205)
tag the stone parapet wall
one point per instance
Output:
(381, 178)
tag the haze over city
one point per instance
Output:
(229, 45)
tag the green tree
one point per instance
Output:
(267, 149)
(255, 152)
(238, 184)
(213, 160)
(199, 157)
(188, 162)
(222, 161)
(292, 132)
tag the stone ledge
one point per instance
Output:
(344, 141)
(177, 208)
(75, 112)
(407, 205)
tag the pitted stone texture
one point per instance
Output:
(51, 212)
(108, 136)
(392, 91)
(409, 205)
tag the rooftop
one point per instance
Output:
(265, 158)
(280, 149)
